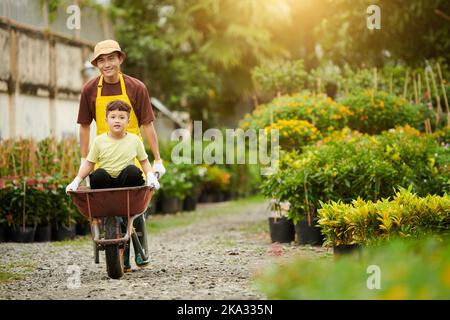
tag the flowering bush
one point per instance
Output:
(320, 110)
(363, 166)
(26, 157)
(294, 133)
(28, 201)
(375, 111)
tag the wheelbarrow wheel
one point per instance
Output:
(113, 252)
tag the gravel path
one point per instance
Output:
(215, 258)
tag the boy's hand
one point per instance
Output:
(159, 168)
(73, 186)
(82, 161)
(152, 181)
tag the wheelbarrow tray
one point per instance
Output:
(98, 203)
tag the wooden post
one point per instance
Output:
(441, 79)
(405, 87)
(375, 79)
(255, 101)
(430, 100)
(416, 97)
(52, 85)
(391, 83)
(419, 86)
(438, 98)
(13, 84)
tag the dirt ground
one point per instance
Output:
(214, 258)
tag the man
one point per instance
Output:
(113, 85)
(109, 86)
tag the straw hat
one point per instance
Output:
(106, 47)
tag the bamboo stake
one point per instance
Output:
(375, 79)
(430, 102)
(438, 98)
(419, 86)
(24, 194)
(255, 101)
(32, 157)
(441, 79)
(390, 83)
(405, 87)
(416, 97)
(63, 157)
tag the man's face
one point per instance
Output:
(109, 64)
(117, 121)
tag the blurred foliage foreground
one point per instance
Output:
(401, 269)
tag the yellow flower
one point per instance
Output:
(398, 292)
(445, 276)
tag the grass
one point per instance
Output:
(158, 223)
(78, 242)
(15, 271)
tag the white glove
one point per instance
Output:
(73, 186)
(152, 181)
(159, 168)
(88, 182)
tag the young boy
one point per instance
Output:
(115, 152)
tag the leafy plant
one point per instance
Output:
(406, 215)
(370, 167)
(375, 111)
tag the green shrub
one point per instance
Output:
(321, 111)
(409, 269)
(375, 111)
(406, 215)
(370, 167)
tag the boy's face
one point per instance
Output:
(117, 121)
(109, 64)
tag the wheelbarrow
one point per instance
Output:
(106, 210)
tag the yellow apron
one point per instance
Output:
(100, 113)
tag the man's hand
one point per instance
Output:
(73, 186)
(159, 168)
(152, 181)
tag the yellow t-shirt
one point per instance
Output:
(114, 155)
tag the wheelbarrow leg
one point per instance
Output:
(126, 252)
(140, 243)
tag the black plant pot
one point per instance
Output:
(151, 210)
(220, 196)
(26, 235)
(171, 205)
(62, 232)
(83, 228)
(281, 230)
(189, 203)
(43, 233)
(3, 233)
(308, 234)
(346, 249)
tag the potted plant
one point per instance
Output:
(64, 214)
(280, 226)
(22, 208)
(175, 185)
